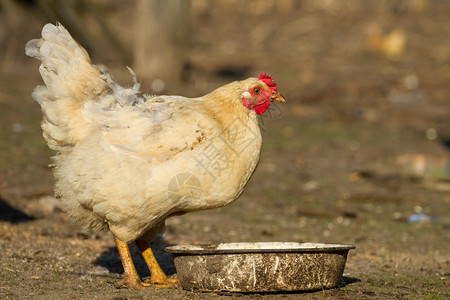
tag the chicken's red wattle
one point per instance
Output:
(260, 109)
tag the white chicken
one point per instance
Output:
(125, 162)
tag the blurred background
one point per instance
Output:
(358, 154)
(357, 64)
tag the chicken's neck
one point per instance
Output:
(242, 137)
(226, 106)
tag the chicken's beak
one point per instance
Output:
(277, 97)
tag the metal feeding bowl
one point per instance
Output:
(260, 267)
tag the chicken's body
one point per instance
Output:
(120, 175)
(126, 162)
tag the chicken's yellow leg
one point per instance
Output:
(131, 276)
(158, 277)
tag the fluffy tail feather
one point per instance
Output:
(71, 80)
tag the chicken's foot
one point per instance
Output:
(158, 277)
(131, 279)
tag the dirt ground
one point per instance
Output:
(358, 155)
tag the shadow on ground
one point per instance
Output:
(11, 214)
(348, 280)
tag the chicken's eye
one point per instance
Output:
(256, 91)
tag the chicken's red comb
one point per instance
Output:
(268, 80)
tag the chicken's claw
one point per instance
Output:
(158, 278)
(132, 284)
(132, 280)
(162, 282)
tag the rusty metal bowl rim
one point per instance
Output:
(257, 247)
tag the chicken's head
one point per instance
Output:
(259, 96)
